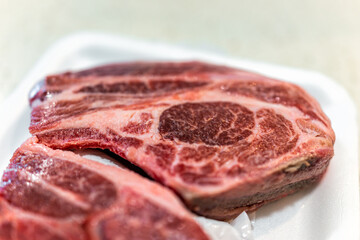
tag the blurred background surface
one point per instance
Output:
(320, 35)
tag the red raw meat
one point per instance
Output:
(54, 194)
(224, 139)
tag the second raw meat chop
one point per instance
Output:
(48, 194)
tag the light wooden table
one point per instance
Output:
(321, 35)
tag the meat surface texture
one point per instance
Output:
(55, 194)
(224, 139)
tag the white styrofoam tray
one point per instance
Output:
(329, 210)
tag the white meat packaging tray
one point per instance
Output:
(328, 210)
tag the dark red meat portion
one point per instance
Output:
(212, 123)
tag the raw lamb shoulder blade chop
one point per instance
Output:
(223, 139)
(58, 195)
